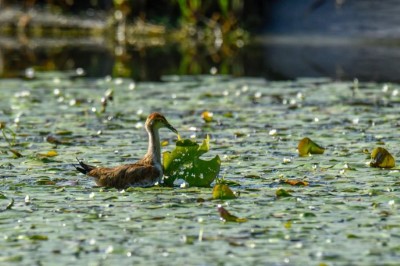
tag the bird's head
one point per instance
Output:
(157, 121)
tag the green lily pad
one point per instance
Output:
(280, 193)
(222, 191)
(184, 163)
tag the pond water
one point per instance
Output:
(348, 215)
(278, 57)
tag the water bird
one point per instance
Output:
(145, 172)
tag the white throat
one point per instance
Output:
(154, 149)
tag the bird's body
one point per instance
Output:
(146, 172)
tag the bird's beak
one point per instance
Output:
(171, 128)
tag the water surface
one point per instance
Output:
(348, 215)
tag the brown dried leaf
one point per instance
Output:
(227, 217)
(295, 182)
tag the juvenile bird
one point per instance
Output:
(145, 172)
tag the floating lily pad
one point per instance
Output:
(184, 163)
(306, 147)
(381, 158)
(281, 193)
(222, 191)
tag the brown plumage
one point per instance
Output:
(146, 172)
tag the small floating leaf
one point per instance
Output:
(381, 158)
(10, 204)
(295, 182)
(37, 237)
(16, 153)
(227, 217)
(307, 146)
(63, 132)
(45, 181)
(222, 191)
(51, 153)
(54, 140)
(282, 193)
(288, 224)
(207, 116)
(184, 163)
(16, 258)
(352, 236)
(308, 215)
(164, 143)
(58, 190)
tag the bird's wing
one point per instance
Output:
(126, 175)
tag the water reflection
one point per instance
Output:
(277, 58)
(99, 58)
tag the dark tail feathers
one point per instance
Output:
(83, 168)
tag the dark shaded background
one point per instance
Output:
(341, 39)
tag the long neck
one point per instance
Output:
(154, 149)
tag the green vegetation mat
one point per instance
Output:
(323, 209)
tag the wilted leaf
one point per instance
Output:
(307, 146)
(295, 182)
(45, 181)
(184, 163)
(227, 217)
(16, 153)
(282, 193)
(54, 140)
(222, 191)
(10, 204)
(381, 158)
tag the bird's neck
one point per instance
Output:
(154, 149)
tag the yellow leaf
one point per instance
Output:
(381, 158)
(306, 147)
(207, 116)
(164, 143)
(222, 191)
(288, 224)
(51, 153)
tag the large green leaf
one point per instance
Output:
(184, 163)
